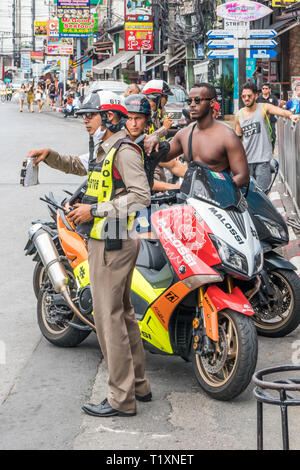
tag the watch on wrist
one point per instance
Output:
(93, 210)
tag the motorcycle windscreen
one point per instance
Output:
(215, 187)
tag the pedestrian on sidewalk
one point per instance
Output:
(253, 126)
(30, 98)
(266, 96)
(39, 97)
(22, 96)
(52, 93)
(105, 218)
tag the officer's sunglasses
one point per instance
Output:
(197, 100)
(88, 115)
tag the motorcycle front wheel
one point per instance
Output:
(281, 315)
(227, 372)
(53, 316)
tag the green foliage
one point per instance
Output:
(227, 83)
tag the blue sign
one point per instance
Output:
(262, 53)
(200, 51)
(219, 54)
(220, 44)
(262, 33)
(262, 43)
(219, 34)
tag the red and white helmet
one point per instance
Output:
(100, 101)
(157, 87)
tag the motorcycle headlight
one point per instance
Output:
(258, 262)
(276, 230)
(229, 255)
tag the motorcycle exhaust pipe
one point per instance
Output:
(53, 267)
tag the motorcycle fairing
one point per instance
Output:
(183, 239)
(72, 244)
(153, 332)
(215, 300)
(236, 229)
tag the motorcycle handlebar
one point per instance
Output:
(165, 197)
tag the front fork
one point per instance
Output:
(205, 323)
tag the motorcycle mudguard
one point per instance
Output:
(215, 300)
(273, 260)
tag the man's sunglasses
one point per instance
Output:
(197, 100)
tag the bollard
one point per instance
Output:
(285, 399)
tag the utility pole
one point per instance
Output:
(32, 23)
(20, 27)
(14, 30)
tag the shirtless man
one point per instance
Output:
(213, 144)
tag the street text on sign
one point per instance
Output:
(223, 54)
(220, 33)
(225, 44)
(261, 44)
(262, 33)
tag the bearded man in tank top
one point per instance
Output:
(207, 141)
(253, 126)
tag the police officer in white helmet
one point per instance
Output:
(117, 186)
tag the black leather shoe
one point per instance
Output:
(144, 398)
(104, 410)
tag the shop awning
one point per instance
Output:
(121, 58)
(158, 60)
(284, 24)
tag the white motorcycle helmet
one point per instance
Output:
(101, 101)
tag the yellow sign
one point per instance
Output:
(40, 28)
(283, 3)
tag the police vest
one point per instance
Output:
(103, 180)
(156, 125)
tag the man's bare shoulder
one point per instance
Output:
(185, 131)
(224, 128)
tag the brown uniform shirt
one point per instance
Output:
(127, 161)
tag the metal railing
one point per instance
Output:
(289, 158)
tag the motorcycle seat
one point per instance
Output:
(150, 255)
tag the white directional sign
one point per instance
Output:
(261, 33)
(225, 44)
(220, 34)
(223, 54)
(262, 43)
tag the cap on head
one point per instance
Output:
(100, 101)
(138, 104)
(157, 87)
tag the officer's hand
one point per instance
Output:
(38, 154)
(150, 142)
(167, 122)
(81, 214)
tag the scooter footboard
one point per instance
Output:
(215, 300)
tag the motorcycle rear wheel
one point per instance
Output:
(38, 277)
(286, 304)
(227, 373)
(58, 333)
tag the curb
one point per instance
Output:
(292, 250)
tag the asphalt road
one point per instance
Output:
(43, 387)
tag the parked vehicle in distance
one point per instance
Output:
(109, 85)
(174, 106)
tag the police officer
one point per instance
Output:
(139, 118)
(157, 93)
(117, 183)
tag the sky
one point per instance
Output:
(42, 13)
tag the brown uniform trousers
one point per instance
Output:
(116, 325)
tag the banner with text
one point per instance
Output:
(73, 8)
(138, 36)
